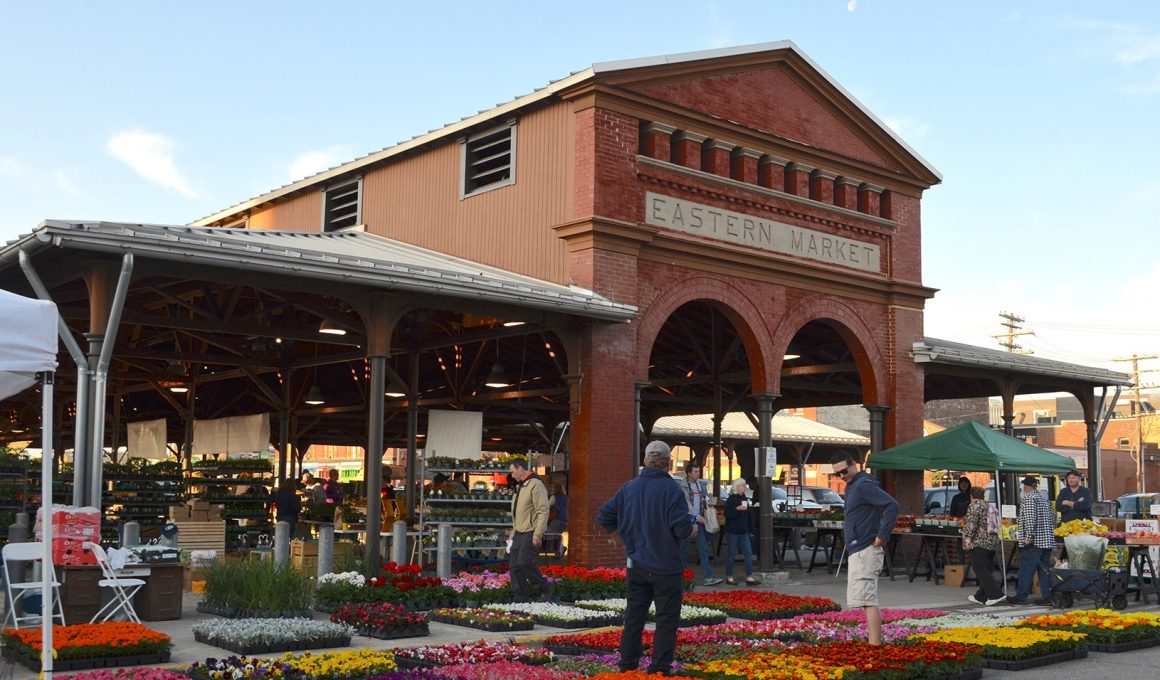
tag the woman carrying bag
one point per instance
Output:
(700, 509)
(737, 526)
(980, 526)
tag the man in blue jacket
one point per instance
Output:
(650, 516)
(1074, 501)
(870, 517)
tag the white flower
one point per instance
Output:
(352, 577)
(552, 610)
(269, 631)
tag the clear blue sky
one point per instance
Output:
(1041, 117)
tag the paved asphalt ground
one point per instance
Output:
(921, 594)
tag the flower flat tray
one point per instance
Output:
(1117, 647)
(85, 664)
(572, 624)
(1035, 661)
(973, 674)
(250, 650)
(765, 616)
(489, 627)
(395, 633)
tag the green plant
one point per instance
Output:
(257, 586)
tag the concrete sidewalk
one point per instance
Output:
(900, 593)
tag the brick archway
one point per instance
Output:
(848, 324)
(733, 304)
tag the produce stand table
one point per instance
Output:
(933, 547)
(1140, 559)
(158, 600)
(832, 553)
(783, 541)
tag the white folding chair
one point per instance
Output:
(123, 588)
(27, 552)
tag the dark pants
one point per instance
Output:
(525, 573)
(982, 563)
(643, 588)
(1032, 560)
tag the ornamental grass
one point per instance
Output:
(1103, 626)
(1009, 643)
(91, 640)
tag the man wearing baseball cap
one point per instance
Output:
(651, 518)
(1036, 542)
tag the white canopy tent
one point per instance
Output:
(27, 356)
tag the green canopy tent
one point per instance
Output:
(972, 447)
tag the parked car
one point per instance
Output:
(820, 495)
(1137, 505)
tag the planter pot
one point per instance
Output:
(1035, 661)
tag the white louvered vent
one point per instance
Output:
(489, 159)
(342, 207)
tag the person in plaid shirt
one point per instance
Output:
(1036, 542)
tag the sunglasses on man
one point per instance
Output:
(841, 472)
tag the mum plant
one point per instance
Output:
(1103, 626)
(1008, 643)
(754, 604)
(91, 641)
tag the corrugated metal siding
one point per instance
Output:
(416, 200)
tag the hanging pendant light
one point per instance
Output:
(497, 378)
(328, 327)
(314, 396)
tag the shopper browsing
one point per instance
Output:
(870, 517)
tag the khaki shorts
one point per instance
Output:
(862, 586)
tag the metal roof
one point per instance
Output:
(543, 93)
(351, 257)
(933, 350)
(785, 427)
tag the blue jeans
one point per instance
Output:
(703, 551)
(643, 588)
(1031, 560)
(746, 549)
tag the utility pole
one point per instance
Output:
(1139, 414)
(1014, 325)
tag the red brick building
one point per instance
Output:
(742, 185)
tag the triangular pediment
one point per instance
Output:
(773, 89)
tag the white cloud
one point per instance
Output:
(852, 5)
(13, 166)
(151, 156)
(1139, 48)
(313, 162)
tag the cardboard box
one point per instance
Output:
(954, 575)
(301, 548)
(179, 513)
(199, 515)
(215, 512)
(1112, 523)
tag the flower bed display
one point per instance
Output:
(90, 645)
(491, 620)
(859, 615)
(400, 584)
(690, 615)
(470, 652)
(263, 636)
(562, 616)
(126, 674)
(475, 589)
(1106, 630)
(698, 643)
(757, 605)
(587, 665)
(382, 620)
(355, 663)
(573, 583)
(504, 670)
(1015, 648)
(836, 660)
(358, 663)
